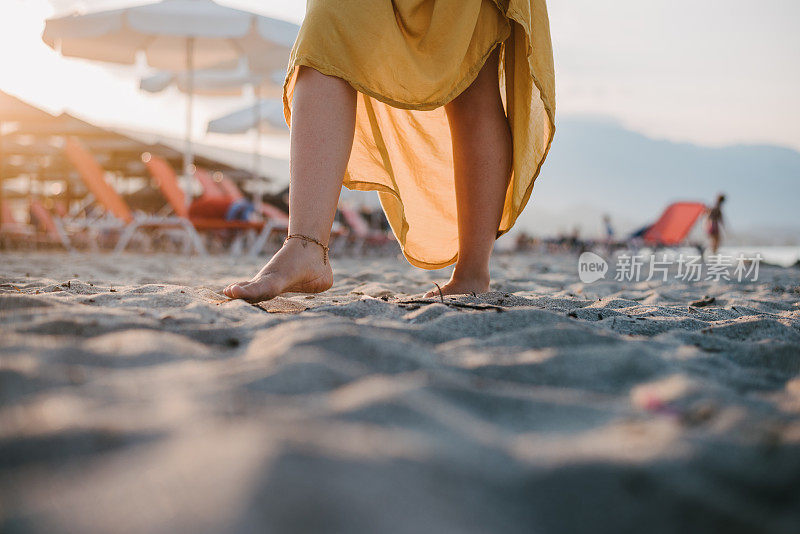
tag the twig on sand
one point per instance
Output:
(441, 295)
(705, 301)
(453, 303)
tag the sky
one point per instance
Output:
(711, 72)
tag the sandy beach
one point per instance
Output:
(136, 398)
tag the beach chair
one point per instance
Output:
(230, 188)
(53, 230)
(167, 181)
(210, 186)
(11, 230)
(118, 216)
(675, 224)
(361, 233)
(225, 187)
(281, 219)
(222, 187)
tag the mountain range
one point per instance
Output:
(596, 166)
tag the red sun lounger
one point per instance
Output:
(675, 223)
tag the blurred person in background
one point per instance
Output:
(714, 223)
(608, 228)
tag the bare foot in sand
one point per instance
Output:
(298, 267)
(462, 285)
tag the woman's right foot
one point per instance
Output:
(298, 267)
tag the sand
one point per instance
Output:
(135, 398)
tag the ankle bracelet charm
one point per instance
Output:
(325, 248)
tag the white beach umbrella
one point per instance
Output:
(218, 82)
(174, 35)
(266, 114)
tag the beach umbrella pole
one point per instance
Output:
(257, 150)
(188, 155)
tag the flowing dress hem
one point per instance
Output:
(549, 108)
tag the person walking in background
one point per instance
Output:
(608, 228)
(608, 231)
(714, 223)
(447, 109)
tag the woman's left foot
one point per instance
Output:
(462, 286)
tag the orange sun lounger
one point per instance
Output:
(121, 216)
(217, 187)
(675, 223)
(11, 230)
(46, 229)
(53, 231)
(362, 233)
(167, 181)
(211, 188)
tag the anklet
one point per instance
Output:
(325, 248)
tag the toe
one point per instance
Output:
(255, 291)
(238, 290)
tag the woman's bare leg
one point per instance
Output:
(482, 154)
(323, 124)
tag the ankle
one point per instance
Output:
(306, 249)
(471, 273)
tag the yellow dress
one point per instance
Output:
(407, 59)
